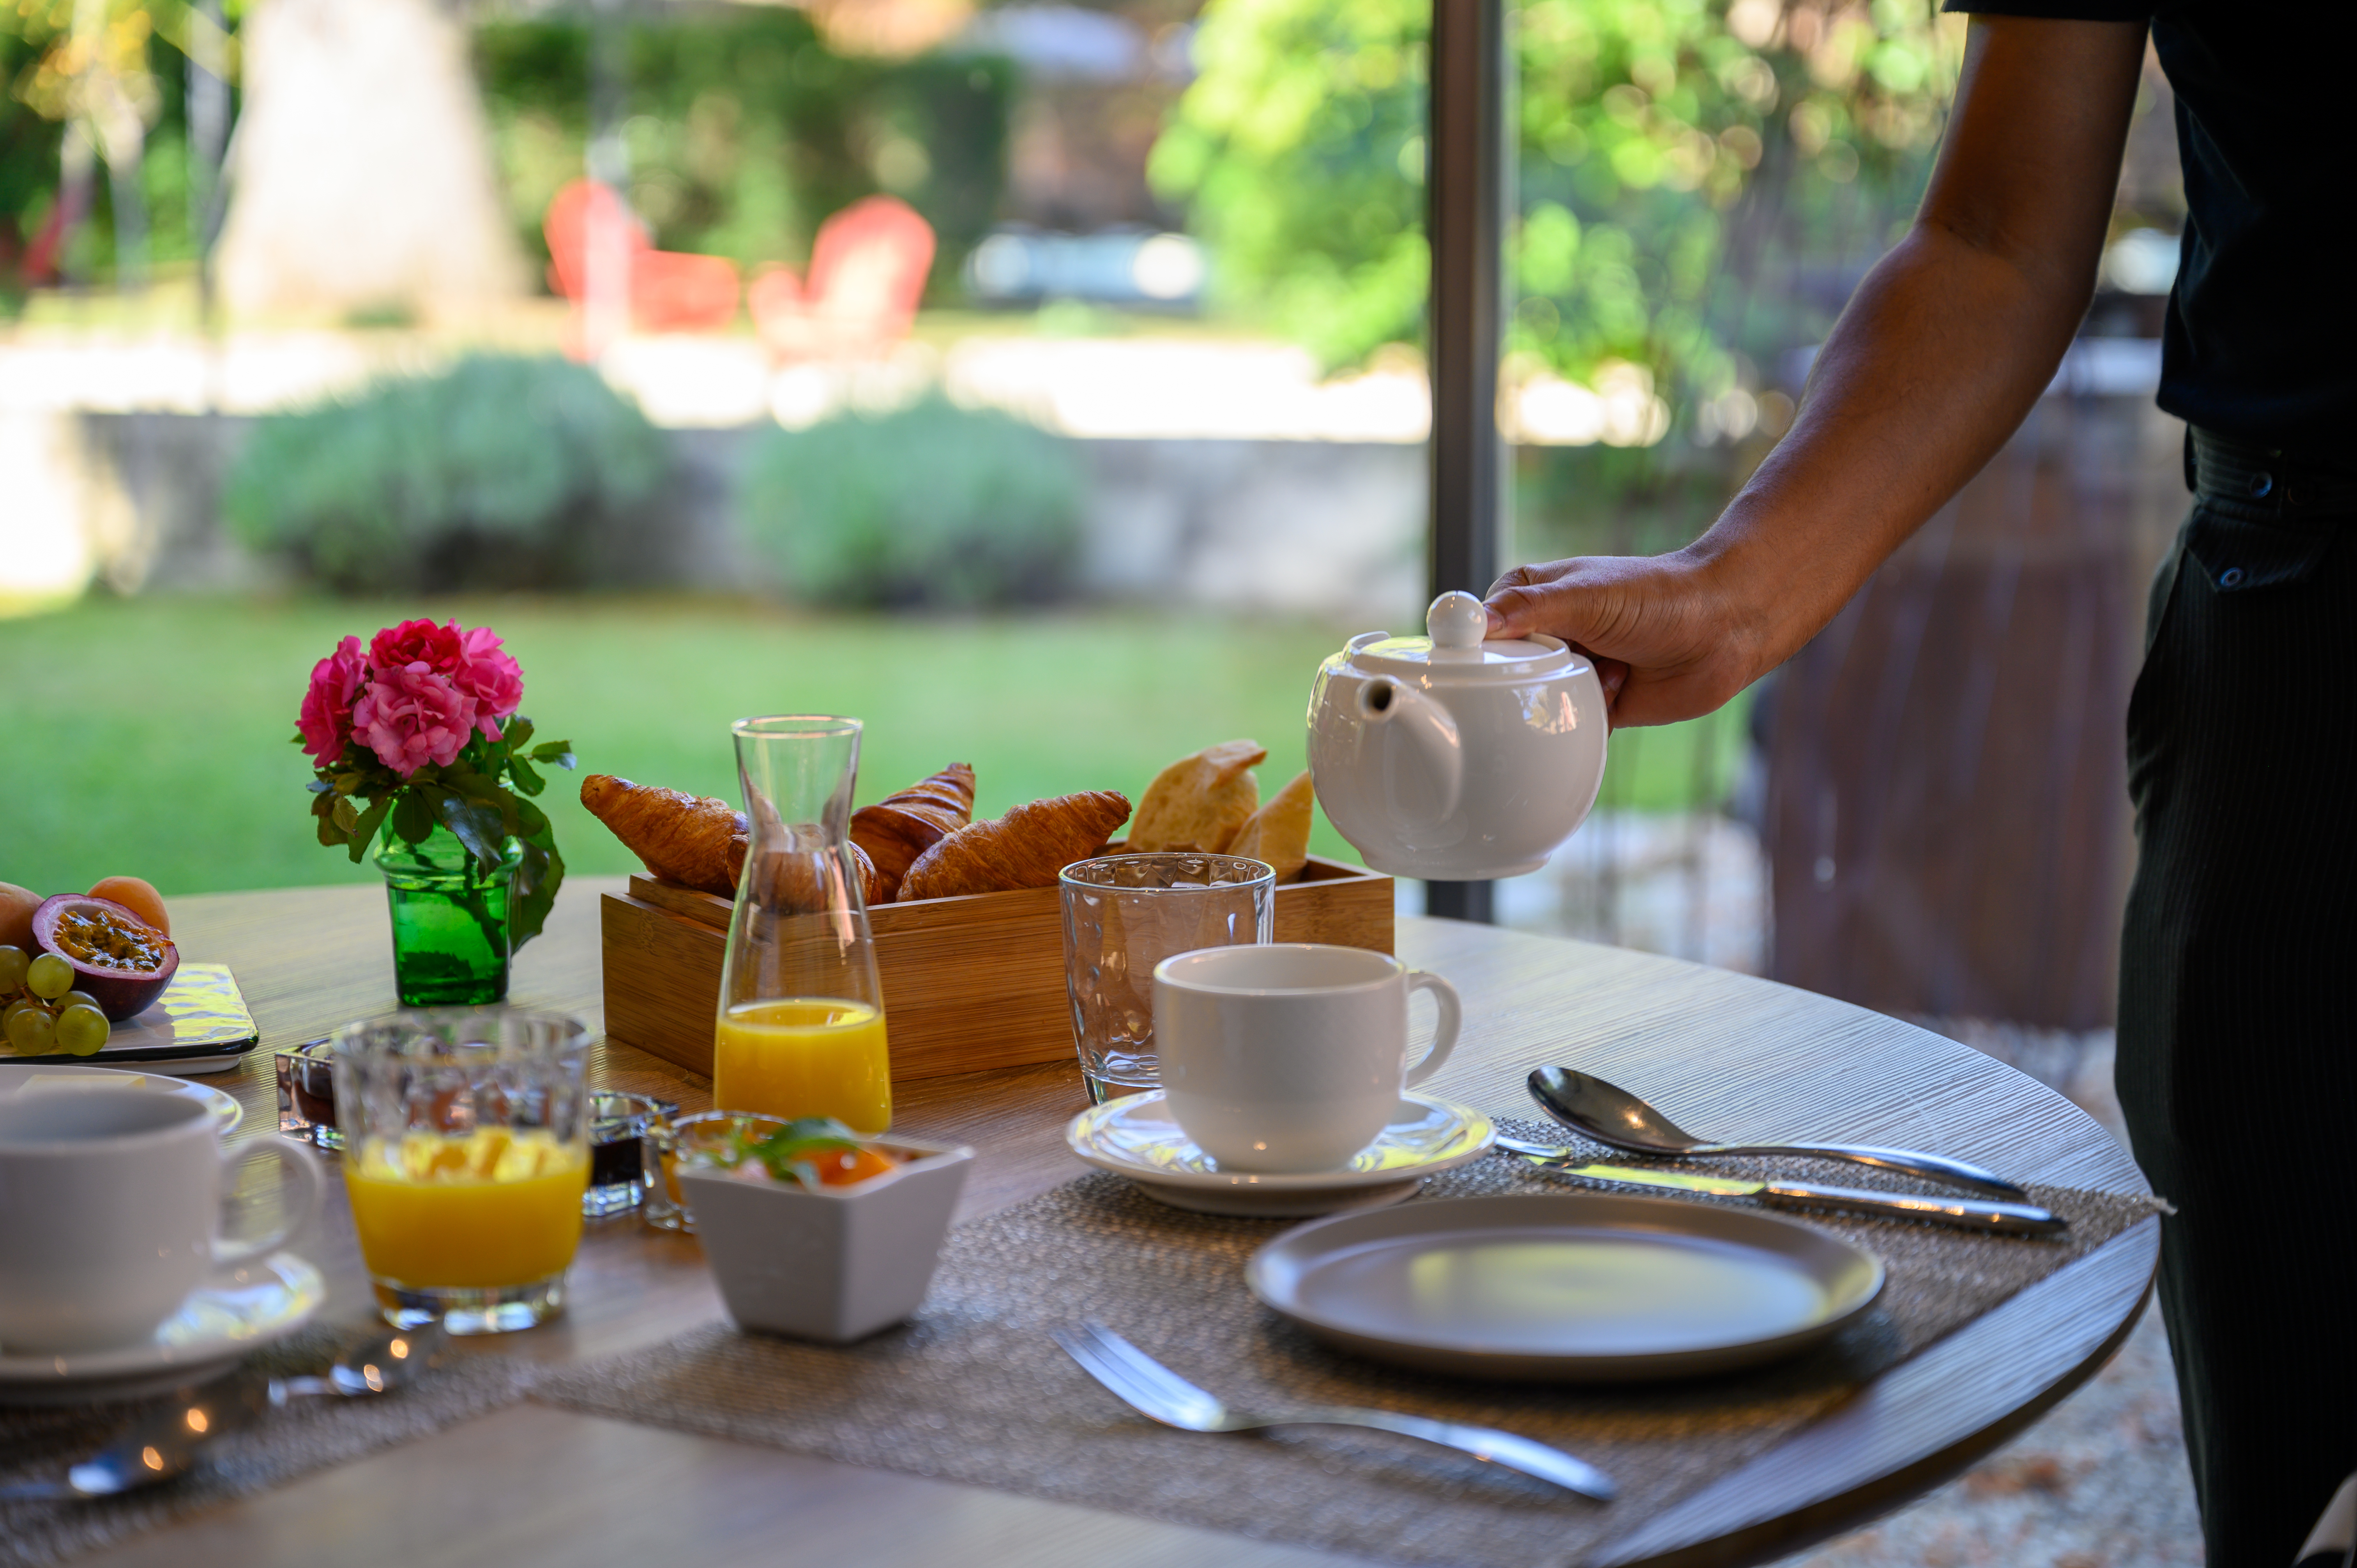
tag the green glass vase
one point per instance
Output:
(450, 941)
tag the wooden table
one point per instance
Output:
(1739, 1057)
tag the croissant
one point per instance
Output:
(1025, 848)
(898, 829)
(682, 838)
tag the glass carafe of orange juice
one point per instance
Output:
(801, 1031)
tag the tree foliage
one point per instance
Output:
(1683, 165)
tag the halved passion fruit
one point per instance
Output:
(119, 960)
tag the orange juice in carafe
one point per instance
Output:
(804, 1058)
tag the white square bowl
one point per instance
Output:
(834, 1264)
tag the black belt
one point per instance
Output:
(2266, 480)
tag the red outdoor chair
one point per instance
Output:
(867, 272)
(670, 291)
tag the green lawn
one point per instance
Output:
(150, 737)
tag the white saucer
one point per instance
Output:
(234, 1313)
(16, 1077)
(1137, 1137)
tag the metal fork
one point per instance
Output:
(1154, 1390)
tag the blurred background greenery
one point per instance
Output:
(165, 755)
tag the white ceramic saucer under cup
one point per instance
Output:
(233, 1313)
(25, 1078)
(1574, 1287)
(1136, 1136)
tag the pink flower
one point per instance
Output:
(411, 716)
(491, 677)
(327, 718)
(439, 646)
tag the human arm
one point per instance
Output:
(1942, 351)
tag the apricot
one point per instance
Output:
(140, 898)
(16, 906)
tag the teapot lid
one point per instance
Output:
(1453, 647)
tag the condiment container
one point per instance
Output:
(830, 1263)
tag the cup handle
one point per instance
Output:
(300, 1164)
(1444, 1037)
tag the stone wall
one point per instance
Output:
(1326, 528)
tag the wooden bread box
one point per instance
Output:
(969, 984)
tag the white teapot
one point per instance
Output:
(1455, 759)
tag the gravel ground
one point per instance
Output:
(2101, 1482)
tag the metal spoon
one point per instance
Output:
(1611, 1115)
(375, 1366)
(167, 1443)
(156, 1448)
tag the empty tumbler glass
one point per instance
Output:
(1125, 913)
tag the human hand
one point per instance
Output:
(1668, 642)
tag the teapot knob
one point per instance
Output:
(1456, 620)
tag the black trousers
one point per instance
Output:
(2238, 985)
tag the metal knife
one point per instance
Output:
(1969, 1213)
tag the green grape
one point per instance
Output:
(33, 1032)
(80, 1030)
(14, 962)
(9, 1015)
(79, 999)
(49, 976)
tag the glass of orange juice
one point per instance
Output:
(801, 1025)
(465, 1153)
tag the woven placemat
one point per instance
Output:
(974, 1389)
(278, 1445)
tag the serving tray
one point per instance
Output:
(198, 1025)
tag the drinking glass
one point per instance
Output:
(1125, 913)
(801, 1030)
(465, 1155)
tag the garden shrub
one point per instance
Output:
(931, 505)
(500, 472)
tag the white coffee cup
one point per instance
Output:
(111, 1212)
(1290, 1057)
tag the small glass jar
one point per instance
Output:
(307, 1094)
(620, 1163)
(685, 1139)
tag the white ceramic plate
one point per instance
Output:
(234, 1312)
(1137, 1137)
(1575, 1288)
(24, 1078)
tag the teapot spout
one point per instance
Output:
(1385, 701)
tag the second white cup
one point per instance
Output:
(1290, 1057)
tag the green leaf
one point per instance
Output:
(413, 818)
(347, 815)
(538, 877)
(531, 822)
(348, 783)
(527, 779)
(517, 733)
(364, 833)
(477, 826)
(559, 752)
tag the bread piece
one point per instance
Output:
(797, 883)
(1025, 848)
(898, 829)
(695, 841)
(1200, 802)
(1279, 833)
